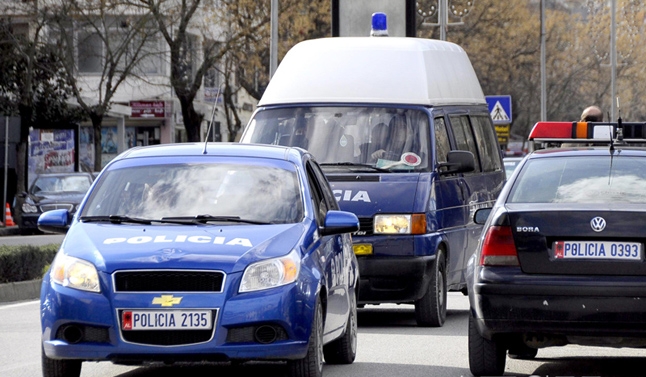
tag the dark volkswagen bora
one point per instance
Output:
(561, 257)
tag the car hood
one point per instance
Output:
(68, 197)
(229, 248)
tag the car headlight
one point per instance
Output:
(29, 208)
(75, 273)
(271, 273)
(400, 224)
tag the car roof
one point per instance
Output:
(588, 151)
(217, 149)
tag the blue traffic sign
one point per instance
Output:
(500, 109)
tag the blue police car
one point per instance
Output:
(193, 252)
(561, 257)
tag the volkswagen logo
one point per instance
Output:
(598, 224)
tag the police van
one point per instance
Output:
(402, 131)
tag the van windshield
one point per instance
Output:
(363, 137)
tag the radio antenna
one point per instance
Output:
(208, 130)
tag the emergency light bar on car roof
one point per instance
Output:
(585, 132)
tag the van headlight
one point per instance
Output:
(271, 273)
(400, 224)
(75, 273)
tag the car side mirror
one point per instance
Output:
(338, 222)
(458, 162)
(481, 215)
(56, 221)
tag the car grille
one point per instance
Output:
(365, 226)
(168, 281)
(50, 207)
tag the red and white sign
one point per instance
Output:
(148, 109)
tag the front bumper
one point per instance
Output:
(506, 301)
(287, 309)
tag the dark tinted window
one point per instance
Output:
(583, 179)
(487, 142)
(464, 137)
(442, 144)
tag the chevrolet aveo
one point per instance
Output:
(193, 252)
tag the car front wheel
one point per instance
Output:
(486, 357)
(312, 364)
(59, 368)
(344, 349)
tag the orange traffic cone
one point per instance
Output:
(8, 218)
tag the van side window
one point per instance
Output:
(464, 138)
(442, 144)
(487, 143)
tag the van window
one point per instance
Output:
(464, 138)
(487, 142)
(380, 137)
(442, 144)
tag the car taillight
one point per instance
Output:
(498, 248)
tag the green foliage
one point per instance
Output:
(25, 262)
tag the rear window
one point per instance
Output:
(581, 179)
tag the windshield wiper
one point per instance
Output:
(203, 219)
(352, 164)
(116, 219)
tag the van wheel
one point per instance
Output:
(430, 310)
(344, 349)
(59, 368)
(312, 364)
(486, 357)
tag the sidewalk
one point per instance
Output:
(9, 230)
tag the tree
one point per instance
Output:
(503, 42)
(31, 81)
(248, 59)
(112, 41)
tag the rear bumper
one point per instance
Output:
(515, 303)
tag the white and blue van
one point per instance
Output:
(402, 131)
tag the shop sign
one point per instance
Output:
(148, 109)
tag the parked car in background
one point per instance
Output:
(510, 164)
(561, 257)
(193, 252)
(50, 191)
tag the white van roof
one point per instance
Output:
(374, 70)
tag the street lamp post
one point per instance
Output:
(439, 10)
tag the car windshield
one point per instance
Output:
(259, 193)
(378, 137)
(581, 179)
(50, 184)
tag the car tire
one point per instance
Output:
(312, 364)
(59, 368)
(486, 357)
(430, 310)
(344, 349)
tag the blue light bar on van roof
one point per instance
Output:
(379, 25)
(587, 131)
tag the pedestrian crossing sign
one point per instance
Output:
(500, 109)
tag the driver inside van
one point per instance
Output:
(397, 142)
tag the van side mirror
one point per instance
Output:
(458, 162)
(481, 215)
